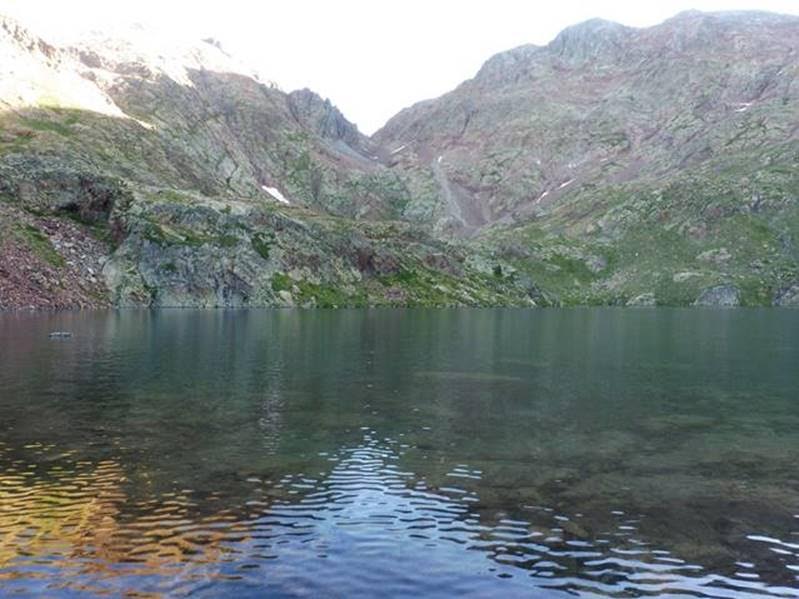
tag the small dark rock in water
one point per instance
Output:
(60, 334)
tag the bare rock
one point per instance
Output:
(787, 296)
(725, 296)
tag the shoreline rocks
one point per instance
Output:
(720, 296)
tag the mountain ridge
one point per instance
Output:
(612, 165)
(553, 78)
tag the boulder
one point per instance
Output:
(596, 264)
(716, 256)
(787, 296)
(719, 296)
(642, 301)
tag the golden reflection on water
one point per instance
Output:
(69, 517)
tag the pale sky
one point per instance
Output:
(370, 57)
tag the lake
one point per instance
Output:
(487, 453)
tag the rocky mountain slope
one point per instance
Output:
(605, 104)
(182, 180)
(614, 165)
(618, 163)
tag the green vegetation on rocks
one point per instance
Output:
(588, 171)
(39, 243)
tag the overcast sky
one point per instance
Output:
(370, 57)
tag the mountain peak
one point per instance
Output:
(13, 32)
(590, 39)
(322, 117)
(508, 65)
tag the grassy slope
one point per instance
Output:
(671, 237)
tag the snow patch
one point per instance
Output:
(562, 185)
(275, 193)
(743, 106)
(402, 147)
(542, 196)
(440, 158)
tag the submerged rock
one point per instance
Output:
(719, 296)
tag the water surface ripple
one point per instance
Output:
(394, 453)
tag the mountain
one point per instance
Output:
(614, 165)
(136, 170)
(601, 104)
(157, 112)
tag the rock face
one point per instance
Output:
(593, 40)
(611, 161)
(207, 253)
(787, 296)
(722, 296)
(607, 104)
(321, 117)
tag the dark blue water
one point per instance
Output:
(489, 453)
